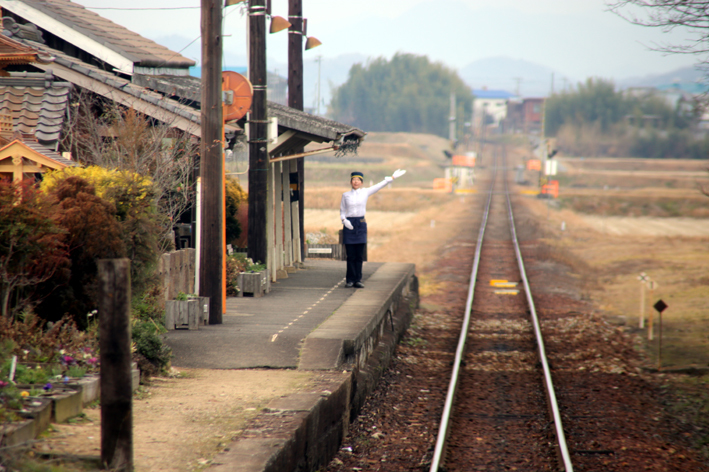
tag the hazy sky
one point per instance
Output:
(577, 38)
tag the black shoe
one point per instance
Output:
(359, 285)
(349, 285)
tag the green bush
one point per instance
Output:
(150, 345)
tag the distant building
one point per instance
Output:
(524, 116)
(490, 104)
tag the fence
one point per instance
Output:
(177, 271)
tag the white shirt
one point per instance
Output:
(354, 202)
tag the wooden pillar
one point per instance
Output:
(295, 96)
(212, 249)
(270, 227)
(258, 140)
(287, 233)
(116, 379)
(278, 213)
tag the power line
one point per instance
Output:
(144, 8)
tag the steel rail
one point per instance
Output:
(551, 395)
(460, 351)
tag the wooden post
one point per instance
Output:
(659, 347)
(650, 334)
(258, 139)
(116, 379)
(212, 162)
(642, 305)
(295, 99)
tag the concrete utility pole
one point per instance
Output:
(258, 139)
(212, 244)
(319, 59)
(295, 98)
(452, 120)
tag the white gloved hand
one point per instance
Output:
(347, 224)
(398, 173)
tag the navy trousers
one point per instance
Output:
(355, 254)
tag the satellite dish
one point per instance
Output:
(240, 97)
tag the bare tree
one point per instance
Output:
(668, 15)
(103, 133)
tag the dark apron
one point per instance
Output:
(357, 235)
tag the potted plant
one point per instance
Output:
(186, 311)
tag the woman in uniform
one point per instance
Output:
(352, 209)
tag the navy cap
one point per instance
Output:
(358, 175)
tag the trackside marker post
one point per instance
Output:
(116, 379)
(643, 278)
(660, 306)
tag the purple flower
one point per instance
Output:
(92, 360)
(67, 359)
(47, 387)
(3, 384)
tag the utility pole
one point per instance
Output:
(319, 59)
(211, 170)
(451, 120)
(295, 99)
(258, 140)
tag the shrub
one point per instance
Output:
(92, 233)
(153, 354)
(32, 247)
(235, 264)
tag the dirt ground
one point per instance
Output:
(181, 422)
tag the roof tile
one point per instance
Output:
(142, 51)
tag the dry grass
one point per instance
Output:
(606, 265)
(611, 266)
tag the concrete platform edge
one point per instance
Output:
(303, 432)
(359, 322)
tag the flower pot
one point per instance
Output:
(12, 434)
(254, 284)
(190, 314)
(39, 410)
(66, 401)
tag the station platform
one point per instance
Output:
(311, 322)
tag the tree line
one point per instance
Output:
(408, 93)
(595, 119)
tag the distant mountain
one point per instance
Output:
(687, 77)
(518, 76)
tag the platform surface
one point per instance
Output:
(268, 331)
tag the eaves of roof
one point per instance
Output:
(156, 105)
(319, 128)
(53, 155)
(97, 35)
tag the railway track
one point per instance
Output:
(613, 414)
(506, 413)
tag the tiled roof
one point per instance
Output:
(142, 51)
(36, 102)
(53, 155)
(316, 126)
(115, 88)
